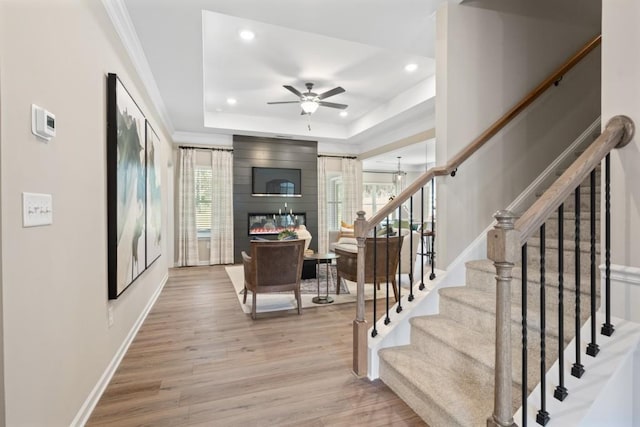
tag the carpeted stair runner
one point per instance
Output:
(446, 374)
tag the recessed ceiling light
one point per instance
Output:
(247, 35)
(231, 101)
(344, 113)
(410, 68)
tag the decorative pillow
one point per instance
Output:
(345, 225)
(347, 241)
(346, 230)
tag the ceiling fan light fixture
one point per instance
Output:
(410, 68)
(309, 106)
(344, 113)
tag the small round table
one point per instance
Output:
(327, 258)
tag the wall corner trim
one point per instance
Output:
(92, 399)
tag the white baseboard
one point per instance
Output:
(91, 401)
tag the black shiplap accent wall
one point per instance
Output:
(249, 151)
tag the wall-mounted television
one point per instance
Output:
(281, 182)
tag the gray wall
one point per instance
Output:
(251, 151)
(58, 341)
(487, 60)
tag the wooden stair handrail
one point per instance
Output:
(485, 136)
(618, 133)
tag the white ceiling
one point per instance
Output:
(197, 60)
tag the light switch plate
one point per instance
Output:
(37, 209)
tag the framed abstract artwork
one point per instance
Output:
(154, 196)
(126, 188)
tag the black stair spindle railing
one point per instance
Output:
(411, 246)
(399, 306)
(423, 249)
(607, 327)
(542, 417)
(577, 370)
(374, 331)
(433, 229)
(561, 392)
(387, 319)
(592, 347)
(524, 335)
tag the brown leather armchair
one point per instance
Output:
(347, 266)
(274, 266)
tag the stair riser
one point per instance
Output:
(551, 229)
(551, 261)
(483, 320)
(486, 281)
(428, 409)
(450, 358)
(585, 204)
(480, 279)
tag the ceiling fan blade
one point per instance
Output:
(333, 105)
(334, 91)
(293, 90)
(284, 102)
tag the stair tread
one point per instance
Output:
(465, 401)
(485, 302)
(467, 341)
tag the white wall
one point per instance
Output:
(621, 95)
(493, 59)
(57, 341)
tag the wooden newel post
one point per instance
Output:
(360, 326)
(503, 248)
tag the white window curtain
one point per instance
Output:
(352, 189)
(187, 231)
(323, 234)
(221, 237)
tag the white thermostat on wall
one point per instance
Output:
(43, 122)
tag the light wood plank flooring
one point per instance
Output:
(198, 360)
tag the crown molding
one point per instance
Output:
(201, 138)
(119, 15)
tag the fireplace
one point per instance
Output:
(261, 224)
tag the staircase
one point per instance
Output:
(446, 373)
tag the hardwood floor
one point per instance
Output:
(198, 360)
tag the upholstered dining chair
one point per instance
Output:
(274, 266)
(386, 267)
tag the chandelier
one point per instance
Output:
(399, 176)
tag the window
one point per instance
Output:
(334, 204)
(375, 196)
(203, 190)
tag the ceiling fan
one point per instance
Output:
(310, 101)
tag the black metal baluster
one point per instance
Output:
(411, 246)
(592, 347)
(374, 332)
(387, 320)
(422, 252)
(607, 327)
(577, 370)
(433, 229)
(524, 335)
(401, 238)
(542, 417)
(561, 392)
